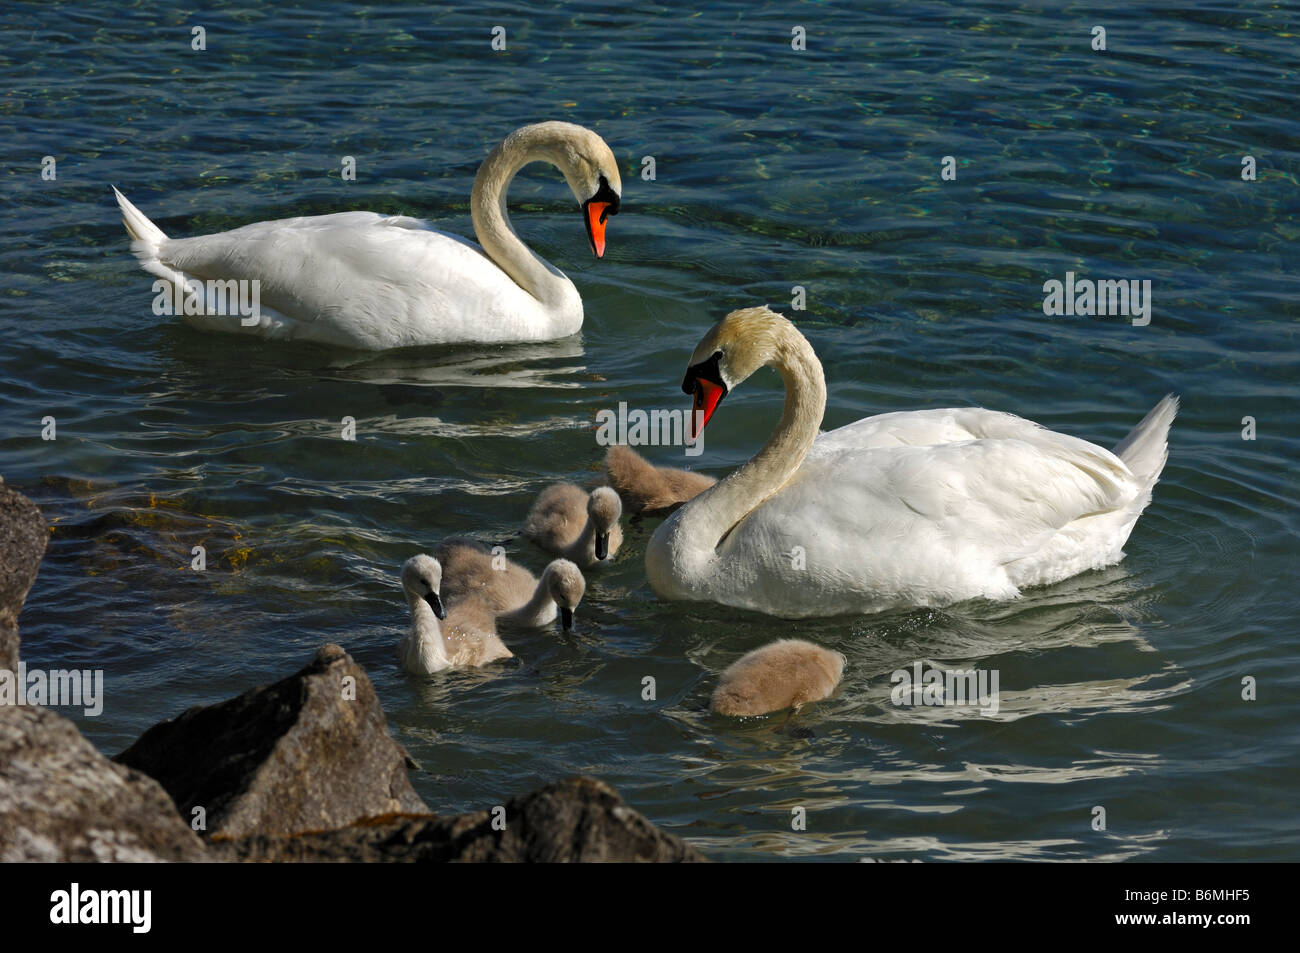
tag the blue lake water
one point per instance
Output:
(775, 168)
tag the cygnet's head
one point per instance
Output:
(421, 578)
(564, 584)
(604, 509)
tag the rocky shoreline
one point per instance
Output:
(303, 770)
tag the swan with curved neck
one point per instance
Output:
(917, 508)
(472, 571)
(370, 281)
(577, 525)
(439, 639)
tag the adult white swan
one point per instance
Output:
(370, 281)
(920, 508)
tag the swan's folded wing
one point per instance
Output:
(1001, 497)
(247, 251)
(927, 428)
(311, 266)
(559, 515)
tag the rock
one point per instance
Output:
(22, 544)
(578, 820)
(299, 755)
(62, 801)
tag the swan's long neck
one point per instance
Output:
(426, 633)
(584, 544)
(538, 610)
(492, 220)
(707, 519)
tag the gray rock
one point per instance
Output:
(22, 544)
(295, 756)
(61, 800)
(580, 820)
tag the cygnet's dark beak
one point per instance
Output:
(566, 619)
(435, 604)
(602, 545)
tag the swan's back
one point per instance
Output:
(470, 634)
(558, 516)
(644, 487)
(784, 674)
(468, 573)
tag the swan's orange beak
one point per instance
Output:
(705, 402)
(597, 212)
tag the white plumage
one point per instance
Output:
(920, 508)
(370, 281)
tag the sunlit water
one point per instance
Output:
(1120, 689)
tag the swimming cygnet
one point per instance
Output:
(785, 674)
(466, 637)
(646, 488)
(472, 571)
(580, 526)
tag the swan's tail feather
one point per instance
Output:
(1146, 448)
(146, 237)
(137, 225)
